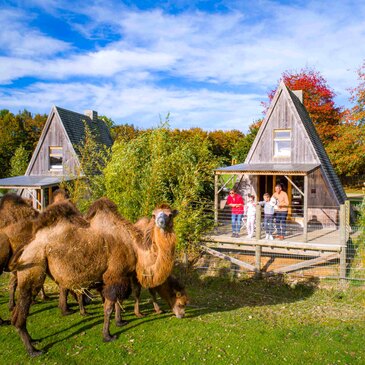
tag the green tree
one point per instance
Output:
(124, 132)
(158, 167)
(16, 130)
(89, 183)
(347, 150)
(241, 148)
(19, 162)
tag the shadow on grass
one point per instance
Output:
(225, 292)
(207, 294)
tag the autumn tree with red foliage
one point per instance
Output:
(318, 100)
(347, 151)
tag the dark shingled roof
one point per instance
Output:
(327, 167)
(74, 125)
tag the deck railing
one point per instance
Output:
(330, 246)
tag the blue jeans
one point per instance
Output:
(268, 223)
(280, 220)
(236, 223)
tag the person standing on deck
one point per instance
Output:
(235, 201)
(282, 210)
(251, 215)
(268, 205)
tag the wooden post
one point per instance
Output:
(42, 199)
(216, 198)
(348, 217)
(305, 209)
(258, 248)
(258, 222)
(343, 241)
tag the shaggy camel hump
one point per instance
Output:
(54, 213)
(107, 211)
(14, 208)
(103, 205)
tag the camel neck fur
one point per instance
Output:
(156, 260)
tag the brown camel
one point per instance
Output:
(16, 217)
(170, 290)
(79, 254)
(25, 228)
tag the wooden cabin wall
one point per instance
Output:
(319, 194)
(283, 118)
(248, 185)
(323, 218)
(321, 204)
(55, 136)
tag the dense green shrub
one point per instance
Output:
(159, 167)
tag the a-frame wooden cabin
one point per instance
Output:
(287, 150)
(56, 157)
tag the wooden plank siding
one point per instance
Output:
(283, 118)
(55, 135)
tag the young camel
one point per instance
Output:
(79, 254)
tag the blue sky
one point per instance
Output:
(207, 63)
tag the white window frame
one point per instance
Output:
(287, 151)
(54, 153)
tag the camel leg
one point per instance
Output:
(137, 295)
(19, 319)
(80, 300)
(108, 310)
(13, 282)
(62, 302)
(43, 294)
(118, 316)
(157, 308)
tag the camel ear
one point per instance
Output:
(178, 294)
(175, 213)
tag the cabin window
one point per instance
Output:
(282, 142)
(55, 158)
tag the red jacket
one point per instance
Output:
(236, 199)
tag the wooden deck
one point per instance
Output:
(322, 246)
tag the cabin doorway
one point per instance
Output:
(267, 185)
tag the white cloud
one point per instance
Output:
(18, 39)
(126, 78)
(143, 105)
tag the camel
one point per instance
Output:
(16, 217)
(79, 254)
(171, 290)
(24, 229)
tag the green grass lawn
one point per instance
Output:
(229, 321)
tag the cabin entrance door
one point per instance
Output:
(296, 201)
(266, 185)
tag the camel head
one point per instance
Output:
(60, 195)
(163, 217)
(178, 303)
(174, 293)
